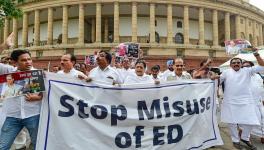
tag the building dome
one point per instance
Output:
(193, 29)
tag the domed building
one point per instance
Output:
(192, 29)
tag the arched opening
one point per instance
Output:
(179, 38)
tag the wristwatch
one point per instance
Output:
(256, 54)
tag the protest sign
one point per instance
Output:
(101, 117)
(237, 46)
(128, 50)
(20, 83)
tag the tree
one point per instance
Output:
(8, 9)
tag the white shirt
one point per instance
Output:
(258, 89)
(73, 72)
(108, 75)
(124, 73)
(166, 73)
(18, 107)
(138, 79)
(172, 76)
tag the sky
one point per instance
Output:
(258, 3)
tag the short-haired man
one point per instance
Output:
(67, 62)
(22, 111)
(104, 72)
(239, 107)
(179, 73)
(55, 69)
(155, 72)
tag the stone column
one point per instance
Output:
(134, 22)
(238, 31)
(25, 30)
(215, 28)
(93, 30)
(254, 33)
(227, 26)
(152, 23)
(116, 22)
(37, 29)
(50, 26)
(98, 22)
(169, 24)
(65, 25)
(201, 26)
(106, 30)
(186, 24)
(81, 24)
(15, 31)
(6, 29)
(261, 34)
(246, 29)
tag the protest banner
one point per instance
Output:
(20, 83)
(175, 116)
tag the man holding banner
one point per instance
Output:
(239, 107)
(21, 111)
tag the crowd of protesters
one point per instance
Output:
(241, 108)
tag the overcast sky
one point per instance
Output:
(258, 3)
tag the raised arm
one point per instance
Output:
(8, 43)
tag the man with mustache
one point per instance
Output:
(239, 108)
(178, 73)
(104, 72)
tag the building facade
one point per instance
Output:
(192, 29)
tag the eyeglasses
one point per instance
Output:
(236, 62)
(179, 65)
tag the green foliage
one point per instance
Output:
(8, 9)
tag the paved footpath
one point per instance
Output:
(228, 145)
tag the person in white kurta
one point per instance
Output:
(67, 62)
(258, 93)
(104, 72)
(239, 106)
(178, 73)
(139, 75)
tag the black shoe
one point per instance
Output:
(237, 145)
(251, 146)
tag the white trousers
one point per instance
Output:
(246, 130)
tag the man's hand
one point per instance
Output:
(157, 82)
(10, 40)
(33, 97)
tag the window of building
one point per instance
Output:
(157, 37)
(179, 38)
(179, 24)
(39, 54)
(249, 23)
(256, 25)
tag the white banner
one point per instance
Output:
(80, 116)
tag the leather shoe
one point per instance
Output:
(251, 146)
(237, 145)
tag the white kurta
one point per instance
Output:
(239, 106)
(258, 93)
(73, 72)
(108, 75)
(139, 79)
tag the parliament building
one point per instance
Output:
(191, 29)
